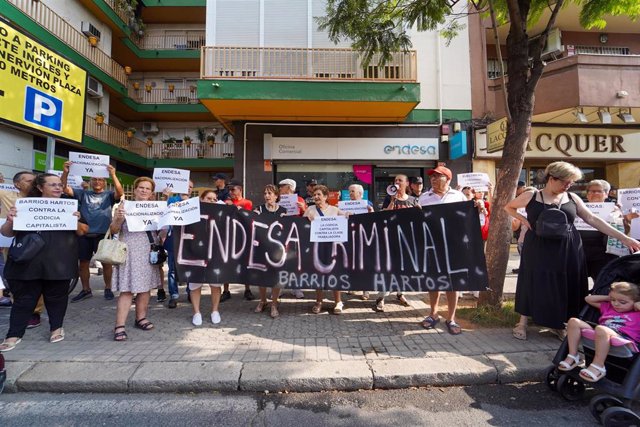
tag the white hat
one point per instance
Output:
(291, 183)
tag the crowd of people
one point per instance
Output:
(552, 277)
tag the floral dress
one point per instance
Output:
(136, 275)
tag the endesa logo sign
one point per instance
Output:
(418, 150)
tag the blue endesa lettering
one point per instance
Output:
(410, 149)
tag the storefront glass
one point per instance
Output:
(336, 177)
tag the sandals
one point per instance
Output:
(119, 336)
(57, 337)
(317, 308)
(274, 311)
(566, 366)
(146, 326)
(588, 375)
(260, 307)
(8, 346)
(402, 300)
(453, 327)
(520, 332)
(429, 322)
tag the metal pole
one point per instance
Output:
(51, 150)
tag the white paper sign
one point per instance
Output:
(5, 242)
(176, 179)
(143, 216)
(329, 229)
(73, 181)
(478, 181)
(290, 203)
(92, 165)
(602, 210)
(629, 198)
(45, 214)
(354, 206)
(635, 228)
(9, 187)
(181, 213)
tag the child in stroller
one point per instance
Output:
(619, 321)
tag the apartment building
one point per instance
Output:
(587, 104)
(140, 104)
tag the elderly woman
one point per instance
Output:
(552, 281)
(356, 192)
(136, 275)
(47, 274)
(322, 208)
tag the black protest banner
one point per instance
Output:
(436, 248)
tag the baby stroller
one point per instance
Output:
(621, 386)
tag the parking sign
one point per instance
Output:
(43, 109)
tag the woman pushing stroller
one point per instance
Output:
(619, 317)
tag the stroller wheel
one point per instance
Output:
(551, 378)
(619, 417)
(601, 403)
(570, 388)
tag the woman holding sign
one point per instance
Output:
(322, 208)
(137, 275)
(46, 273)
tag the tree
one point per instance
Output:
(381, 26)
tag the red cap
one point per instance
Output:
(441, 170)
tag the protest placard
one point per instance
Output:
(478, 181)
(92, 165)
(5, 242)
(73, 181)
(635, 228)
(143, 216)
(45, 214)
(629, 198)
(329, 229)
(353, 206)
(8, 187)
(184, 212)
(177, 180)
(601, 210)
(290, 203)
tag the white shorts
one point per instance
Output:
(194, 286)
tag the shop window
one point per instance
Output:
(536, 179)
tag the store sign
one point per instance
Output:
(289, 148)
(496, 135)
(573, 144)
(40, 89)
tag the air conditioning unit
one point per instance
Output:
(150, 128)
(94, 88)
(89, 30)
(554, 43)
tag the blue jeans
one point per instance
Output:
(172, 283)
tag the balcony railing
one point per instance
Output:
(118, 8)
(164, 96)
(114, 136)
(303, 64)
(190, 40)
(60, 28)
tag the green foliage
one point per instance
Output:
(491, 316)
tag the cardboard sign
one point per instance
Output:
(91, 165)
(177, 180)
(290, 203)
(629, 198)
(9, 187)
(73, 181)
(329, 229)
(181, 213)
(601, 210)
(45, 214)
(143, 216)
(354, 206)
(478, 181)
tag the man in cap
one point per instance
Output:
(288, 186)
(310, 184)
(220, 184)
(441, 192)
(416, 186)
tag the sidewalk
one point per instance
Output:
(299, 351)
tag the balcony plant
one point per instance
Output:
(187, 141)
(93, 41)
(127, 70)
(130, 132)
(211, 139)
(99, 118)
(148, 87)
(170, 140)
(193, 88)
(136, 85)
(149, 142)
(171, 87)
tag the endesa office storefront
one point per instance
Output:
(612, 154)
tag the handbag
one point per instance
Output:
(552, 223)
(111, 250)
(157, 254)
(26, 247)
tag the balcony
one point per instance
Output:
(70, 36)
(121, 9)
(164, 95)
(190, 40)
(298, 84)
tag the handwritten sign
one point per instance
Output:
(85, 164)
(329, 229)
(601, 210)
(181, 213)
(45, 214)
(9, 187)
(177, 180)
(290, 203)
(143, 216)
(73, 181)
(629, 198)
(5, 242)
(478, 181)
(354, 206)
(635, 228)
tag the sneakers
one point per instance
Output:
(402, 300)
(82, 295)
(337, 309)
(34, 321)
(215, 317)
(248, 295)
(173, 303)
(5, 302)
(162, 295)
(225, 296)
(379, 307)
(299, 294)
(196, 319)
(108, 294)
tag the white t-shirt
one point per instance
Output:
(451, 196)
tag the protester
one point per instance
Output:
(416, 186)
(47, 274)
(288, 186)
(95, 207)
(220, 182)
(484, 212)
(270, 210)
(323, 208)
(552, 281)
(516, 226)
(136, 275)
(400, 200)
(468, 193)
(207, 196)
(619, 318)
(356, 192)
(310, 185)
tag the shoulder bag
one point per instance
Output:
(26, 247)
(111, 250)
(157, 254)
(552, 223)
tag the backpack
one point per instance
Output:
(552, 223)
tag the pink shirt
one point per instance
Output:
(626, 324)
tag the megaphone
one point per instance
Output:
(392, 190)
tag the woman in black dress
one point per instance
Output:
(552, 281)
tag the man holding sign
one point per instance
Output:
(95, 207)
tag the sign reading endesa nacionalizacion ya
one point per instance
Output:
(40, 89)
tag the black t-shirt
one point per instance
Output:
(262, 210)
(222, 193)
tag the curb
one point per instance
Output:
(180, 377)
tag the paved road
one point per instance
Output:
(497, 405)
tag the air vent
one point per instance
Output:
(94, 88)
(89, 30)
(150, 128)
